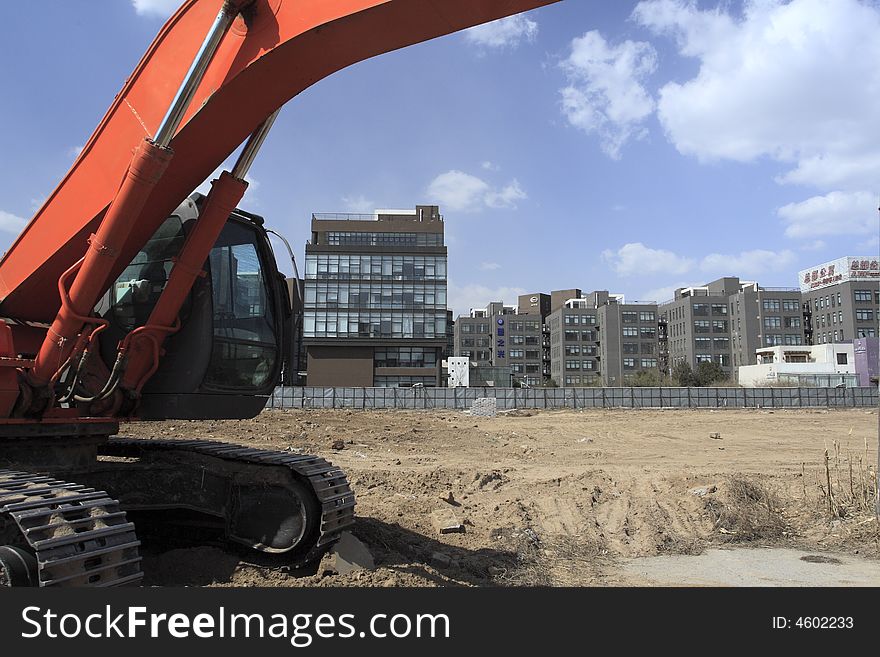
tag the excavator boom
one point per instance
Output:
(274, 50)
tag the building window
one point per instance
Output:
(866, 332)
(572, 350)
(572, 364)
(571, 320)
(647, 316)
(721, 344)
(703, 343)
(649, 363)
(517, 339)
(589, 364)
(719, 326)
(772, 322)
(703, 358)
(791, 305)
(629, 317)
(630, 332)
(864, 315)
(701, 309)
(629, 363)
(719, 309)
(571, 336)
(793, 339)
(516, 353)
(533, 354)
(647, 332)
(518, 368)
(772, 339)
(792, 322)
(841, 358)
(862, 296)
(403, 381)
(516, 327)
(701, 326)
(572, 380)
(647, 347)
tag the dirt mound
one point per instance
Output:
(553, 498)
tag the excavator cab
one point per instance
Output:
(225, 359)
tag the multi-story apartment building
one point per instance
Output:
(499, 337)
(763, 317)
(600, 338)
(374, 307)
(698, 324)
(841, 299)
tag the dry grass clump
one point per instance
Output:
(747, 510)
(562, 560)
(848, 485)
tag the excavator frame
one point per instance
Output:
(64, 385)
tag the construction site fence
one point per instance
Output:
(575, 398)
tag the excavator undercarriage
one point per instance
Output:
(58, 533)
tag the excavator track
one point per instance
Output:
(78, 535)
(326, 481)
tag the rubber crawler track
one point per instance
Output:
(79, 535)
(327, 481)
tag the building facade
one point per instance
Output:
(842, 299)
(601, 339)
(763, 317)
(501, 338)
(698, 324)
(374, 299)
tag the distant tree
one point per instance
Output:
(646, 379)
(683, 375)
(551, 383)
(709, 373)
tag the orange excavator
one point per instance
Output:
(128, 297)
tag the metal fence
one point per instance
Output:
(549, 398)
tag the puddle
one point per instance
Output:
(754, 567)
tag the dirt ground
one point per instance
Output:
(558, 497)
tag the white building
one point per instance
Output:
(824, 365)
(459, 371)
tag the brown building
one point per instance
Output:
(375, 299)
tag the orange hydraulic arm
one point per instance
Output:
(258, 54)
(274, 50)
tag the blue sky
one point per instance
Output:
(640, 146)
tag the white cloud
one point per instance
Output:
(815, 245)
(163, 8)
(797, 82)
(463, 192)
(664, 293)
(11, 223)
(490, 166)
(74, 151)
(489, 266)
(464, 297)
(748, 263)
(637, 259)
(359, 204)
(503, 33)
(605, 93)
(836, 213)
(507, 196)
(872, 244)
